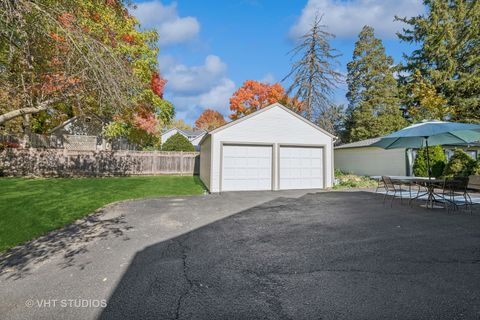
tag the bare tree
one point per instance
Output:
(314, 75)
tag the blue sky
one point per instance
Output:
(209, 48)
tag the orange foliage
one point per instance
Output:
(209, 120)
(255, 95)
(157, 84)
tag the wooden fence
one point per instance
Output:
(57, 162)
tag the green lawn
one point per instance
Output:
(32, 207)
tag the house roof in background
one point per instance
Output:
(359, 144)
(194, 133)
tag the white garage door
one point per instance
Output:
(301, 168)
(246, 168)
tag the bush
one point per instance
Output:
(476, 168)
(437, 162)
(461, 164)
(345, 180)
(177, 142)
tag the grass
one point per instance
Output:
(348, 181)
(32, 207)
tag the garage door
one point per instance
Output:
(301, 168)
(246, 168)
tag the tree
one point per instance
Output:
(448, 56)
(63, 58)
(424, 102)
(437, 162)
(374, 106)
(314, 75)
(461, 164)
(333, 120)
(209, 120)
(254, 95)
(179, 124)
(178, 142)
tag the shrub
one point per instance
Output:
(461, 164)
(437, 162)
(476, 168)
(177, 142)
(345, 180)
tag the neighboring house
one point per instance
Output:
(80, 133)
(271, 149)
(194, 136)
(86, 133)
(362, 159)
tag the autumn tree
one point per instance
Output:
(424, 102)
(373, 102)
(254, 95)
(313, 75)
(447, 38)
(209, 120)
(63, 58)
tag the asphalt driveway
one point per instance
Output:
(290, 255)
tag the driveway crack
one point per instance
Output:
(185, 276)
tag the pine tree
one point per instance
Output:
(374, 106)
(448, 37)
(314, 75)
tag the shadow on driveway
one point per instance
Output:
(331, 255)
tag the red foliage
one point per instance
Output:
(209, 120)
(146, 122)
(157, 84)
(66, 19)
(128, 38)
(254, 95)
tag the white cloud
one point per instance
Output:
(346, 18)
(195, 88)
(194, 80)
(268, 78)
(172, 28)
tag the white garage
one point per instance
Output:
(271, 149)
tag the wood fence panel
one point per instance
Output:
(57, 162)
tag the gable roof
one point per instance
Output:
(359, 144)
(194, 133)
(274, 105)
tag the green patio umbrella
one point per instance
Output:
(429, 133)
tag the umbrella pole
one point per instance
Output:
(428, 159)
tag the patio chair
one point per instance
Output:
(473, 185)
(391, 187)
(456, 187)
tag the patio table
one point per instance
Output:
(430, 186)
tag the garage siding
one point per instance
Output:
(205, 161)
(371, 161)
(273, 126)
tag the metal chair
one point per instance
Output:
(390, 187)
(454, 187)
(473, 185)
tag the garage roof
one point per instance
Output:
(275, 105)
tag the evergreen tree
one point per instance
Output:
(178, 142)
(448, 37)
(314, 75)
(437, 162)
(423, 102)
(461, 164)
(374, 106)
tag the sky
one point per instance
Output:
(208, 48)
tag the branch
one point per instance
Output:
(28, 110)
